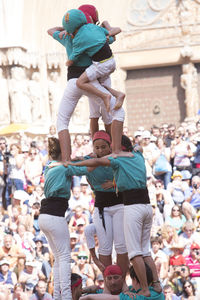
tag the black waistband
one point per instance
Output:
(104, 53)
(107, 199)
(75, 72)
(55, 206)
(136, 196)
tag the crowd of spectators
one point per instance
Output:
(172, 158)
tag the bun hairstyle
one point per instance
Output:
(54, 150)
(126, 144)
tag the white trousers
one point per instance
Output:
(57, 233)
(114, 218)
(137, 229)
(70, 99)
(99, 70)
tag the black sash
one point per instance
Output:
(106, 199)
(75, 71)
(136, 196)
(104, 53)
(55, 206)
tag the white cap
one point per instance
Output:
(21, 195)
(80, 222)
(137, 133)
(30, 263)
(4, 262)
(73, 235)
(146, 134)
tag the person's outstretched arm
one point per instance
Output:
(100, 297)
(94, 162)
(51, 31)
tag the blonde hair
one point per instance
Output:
(54, 150)
(165, 232)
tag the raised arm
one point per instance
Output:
(51, 31)
(114, 31)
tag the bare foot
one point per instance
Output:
(106, 100)
(157, 287)
(145, 293)
(119, 101)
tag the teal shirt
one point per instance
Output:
(129, 172)
(89, 39)
(154, 296)
(58, 180)
(99, 176)
(83, 61)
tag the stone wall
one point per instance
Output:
(154, 96)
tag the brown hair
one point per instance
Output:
(54, 148)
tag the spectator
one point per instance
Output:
(84, 269)
(177, 282)
(138, 137)
(171, 135)
(18, 199)
(42, 256)
(192, 199)
(169, 293)
(188, 236)
(77, 199)
(33, 167)
(162, 162)
(148, 151)
(10, 251)
(18, 293)
(169, 237)
(78, 214)
(177, 259)
(40, 292)
(181, 153)
(7, 277)
(30, 276)
(24, 239)
(188, 291)
(75, 246)
(177, 188)
(157, 220)
(176, 219)
(163, 199)
(160, 258)
(100, 281)
(16, 178)
(193, 262)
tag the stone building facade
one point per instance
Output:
(157, 54)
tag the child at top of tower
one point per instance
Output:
(93, 40)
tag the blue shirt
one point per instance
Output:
(83, 61)
(195, 201)
(89, 39)
(129, 172)
(58, 180)
(99, 176)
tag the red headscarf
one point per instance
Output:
(102, 135)
(91, 11)
(88, 17)
(112, 270)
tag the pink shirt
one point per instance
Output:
(194, 266)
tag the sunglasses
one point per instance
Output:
(82, 257)
(175, 209)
